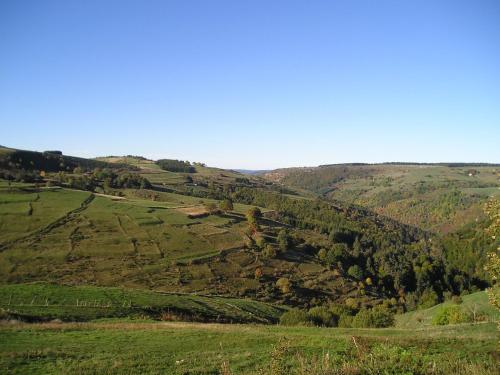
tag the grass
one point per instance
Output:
(189, 348)
(74, 237)
(42, 302)
(475, 302)
(44, 238)
(24, 211)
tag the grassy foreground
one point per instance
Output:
(118, 347)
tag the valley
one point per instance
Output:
(93, 248)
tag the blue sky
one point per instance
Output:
(253, 84)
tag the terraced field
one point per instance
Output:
(38, 302)
(151, 240)
(78, 234)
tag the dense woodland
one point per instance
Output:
(176, 165)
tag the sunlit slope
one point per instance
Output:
(43, 302)
(436, 197)
(473, 303)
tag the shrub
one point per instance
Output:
(284, 285)
(295, 317)
(451, 315)
(322, 316)
(260, 241)
(226, 205)
(428, 299)
(355, 272)
(322, 254)
(345, 320)
(269, 251)
(352, 303)
(377, 317)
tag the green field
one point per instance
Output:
(43, 302)
(145, 239)
(190, 348)
(58, 233)
(85, 329)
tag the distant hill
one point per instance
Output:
(18, 161)
(439, 197)
(252, 171)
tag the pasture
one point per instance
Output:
(118, 347)
(67, 235)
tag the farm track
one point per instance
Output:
(37, 235)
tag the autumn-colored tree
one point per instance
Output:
(492, 209)
(258, 273)
(284, 285)
(211, 208)
(252, 216)
(269, 251)
(226, 205)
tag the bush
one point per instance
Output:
(322, 316)
(377, 317)
(260, 241)
(355, 272)
(322, 254)
(345, 320)
(226, 205)
(295, 317)
(428, 299)
(451, 315)
(269, 251)
(284, 285)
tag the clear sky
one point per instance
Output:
(253, 84)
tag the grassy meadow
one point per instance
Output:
(60, 232)
(45, 302)
(118, 347)
(143, 239)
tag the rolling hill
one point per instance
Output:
(128, 222)
(112, 263)
(436, 197)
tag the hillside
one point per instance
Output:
(40, 302)
(437, 197)
(475, 303)
(141, 226)
(105, 265)
(128, 222)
